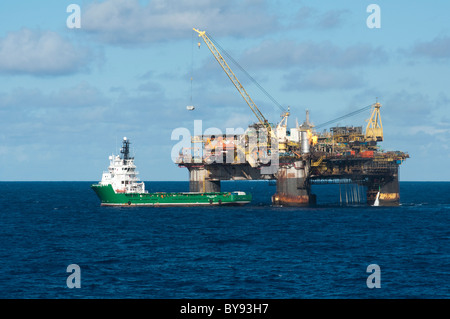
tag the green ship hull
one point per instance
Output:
(109, 197)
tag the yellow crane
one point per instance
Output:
(374, 129)
(262, 120)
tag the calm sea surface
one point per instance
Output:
(254, 251)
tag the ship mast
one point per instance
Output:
(125, 150)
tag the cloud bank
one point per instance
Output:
(285, 54)
(438, 48)
(40, 53)
(124, 22)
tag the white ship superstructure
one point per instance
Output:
(122, 174)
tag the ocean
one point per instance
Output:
(255, 251)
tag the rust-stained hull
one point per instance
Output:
(389, 199)
(293, 200)
(389, 192)
(384, 199)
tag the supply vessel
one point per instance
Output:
(121, 186)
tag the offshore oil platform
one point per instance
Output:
(295, 158)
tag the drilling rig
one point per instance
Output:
(295, 158)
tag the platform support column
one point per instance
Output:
(199, 181)
(293, 188)
(389, 188)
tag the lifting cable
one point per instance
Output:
(365, 108)
(245, 72)
(192, 63)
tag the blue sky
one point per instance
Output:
(68, 96)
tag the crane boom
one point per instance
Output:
(234, 79)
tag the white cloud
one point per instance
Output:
(322, 80)
(127, 21)
(285, 54)
(405, 108)
(438, 48)
(332, 19)
(75, 97)
(429, 130)
(40, 53)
